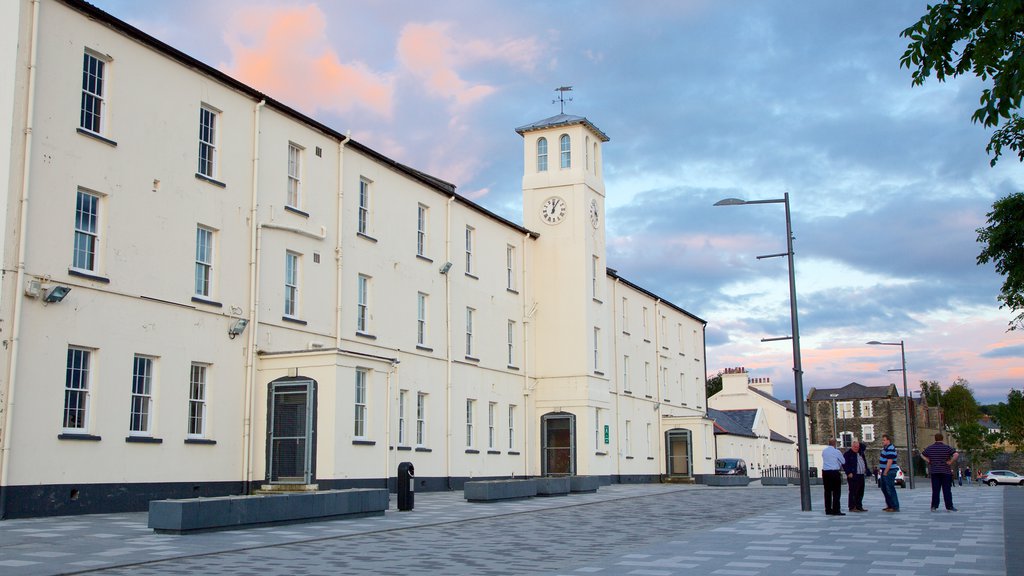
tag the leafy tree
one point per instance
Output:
(713, 385)
(975, 442)
(959, 405)
(1010, 415)
(980, 37)
(1003, 241)
(984, 38)
(931, 392)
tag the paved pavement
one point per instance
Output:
(651, 530)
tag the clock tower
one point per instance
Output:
(571, 326)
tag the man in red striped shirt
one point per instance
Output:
(940, 458)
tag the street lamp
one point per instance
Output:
(835, 433)
(798, 373)
(906, 403)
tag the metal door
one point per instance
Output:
(290, 427)
(677, 446)
(559, 449)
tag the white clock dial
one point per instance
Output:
(595, 217)
(553, 210)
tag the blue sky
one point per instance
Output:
(703, 100)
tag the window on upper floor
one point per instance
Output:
(845, 439)
(363, 215)
(469, 331)
(421, 229)
(421, 319)
(291, 284)
(646, 326)
(867, 432)
(625, 373)
(586, 152)
(542, 154)
(844, 410)
(866, 409)
(595, 265)
(77, 381)
(597, 349)
(402, 401)
(625, 315)
(93, 112)
(510, 267)
(208, 118)
(566, 151)
(511, 346)
(87, 239)
(204, 262)
(294, 175)
(363, 304)
(491, 432)
(647, 379)
(470, 241)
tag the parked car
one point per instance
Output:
(731, 466)
(993, 477)
(901, 480)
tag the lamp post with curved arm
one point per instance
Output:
(798, 373)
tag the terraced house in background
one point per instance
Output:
(206, 292)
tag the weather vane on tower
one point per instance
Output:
(562, 99)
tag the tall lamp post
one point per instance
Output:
(798, 373)
(906, 403)
(835, 432)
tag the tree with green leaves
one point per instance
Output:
(713, 385)
(976, 442)
(984, 38)
(1003, 241)
(931, 392)
(959, 405)
(1010, 415)
(980, 37)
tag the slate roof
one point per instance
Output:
(725, 423)
(787, 405)
(562, 120)
(854, 391)
(776, 437)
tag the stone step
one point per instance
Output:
(266, 489)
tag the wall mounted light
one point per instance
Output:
(237, 328)
(56, 294)
(446, 267)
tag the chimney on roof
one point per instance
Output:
(734, 381)
(764, 384)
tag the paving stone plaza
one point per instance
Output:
(650, 530)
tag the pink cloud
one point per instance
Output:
(430, 53)
(286, 53)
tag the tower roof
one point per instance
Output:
(562, 120)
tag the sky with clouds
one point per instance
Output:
(703, 100)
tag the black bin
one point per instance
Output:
(406, 486)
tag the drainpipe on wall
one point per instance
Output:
(527, 317)
(249, 397)
(448, 346)
(338, 247)
(662, 384)
(12, 369)
(392, 369)
(615, 352)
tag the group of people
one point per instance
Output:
(939, 456)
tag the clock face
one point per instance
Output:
(553, 210)
(595, 217)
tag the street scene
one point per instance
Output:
(652, 530)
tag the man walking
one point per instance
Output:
(940, 458)
(855, 467)
(967, 474)
(887, 469)
(832, 477)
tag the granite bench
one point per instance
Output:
(490, 490)
(584, 483)
(780, 481)
(553, 485)
(729, 480)
(226, 512)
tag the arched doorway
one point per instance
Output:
(678, 448)
(558, 451)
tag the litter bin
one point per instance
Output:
(406, 486)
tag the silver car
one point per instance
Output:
(994, 477)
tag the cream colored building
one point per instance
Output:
(777, 442)
(205, 291)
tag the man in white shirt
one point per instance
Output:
(832, 461)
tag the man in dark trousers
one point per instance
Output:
(856, 467)
(832, 477)
(940, 458)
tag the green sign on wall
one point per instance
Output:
(606, 434)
